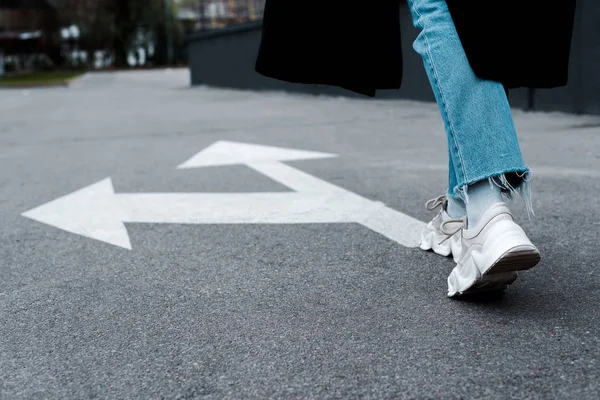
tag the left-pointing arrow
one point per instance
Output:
(90, 212)
(97, 212)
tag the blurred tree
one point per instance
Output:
(118, 25)
(145, 18)
(95, 21)
(155, 24)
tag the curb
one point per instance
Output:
(35, 85)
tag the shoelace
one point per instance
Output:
(450, 233)
(435, 203)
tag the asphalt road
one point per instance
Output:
(330, 310)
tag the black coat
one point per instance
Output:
(520, 43)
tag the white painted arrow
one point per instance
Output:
(97, 212)
(266, 160)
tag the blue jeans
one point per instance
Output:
(482, 140)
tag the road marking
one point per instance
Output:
(97, 212)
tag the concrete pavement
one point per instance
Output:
(328, 310)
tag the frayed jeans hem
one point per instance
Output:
(511, 183)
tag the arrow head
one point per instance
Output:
(91, 212)
(231, 153)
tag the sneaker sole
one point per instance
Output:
(504, 271)
(516, 259)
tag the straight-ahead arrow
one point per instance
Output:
(264, 159)
(97, 212)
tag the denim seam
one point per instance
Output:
(443, 98)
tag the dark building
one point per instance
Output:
(23, 26)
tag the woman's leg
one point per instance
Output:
(485, 161)
(482, 140)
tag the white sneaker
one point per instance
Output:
(436, 236)
(492, 253)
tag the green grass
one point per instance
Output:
(40, 78)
